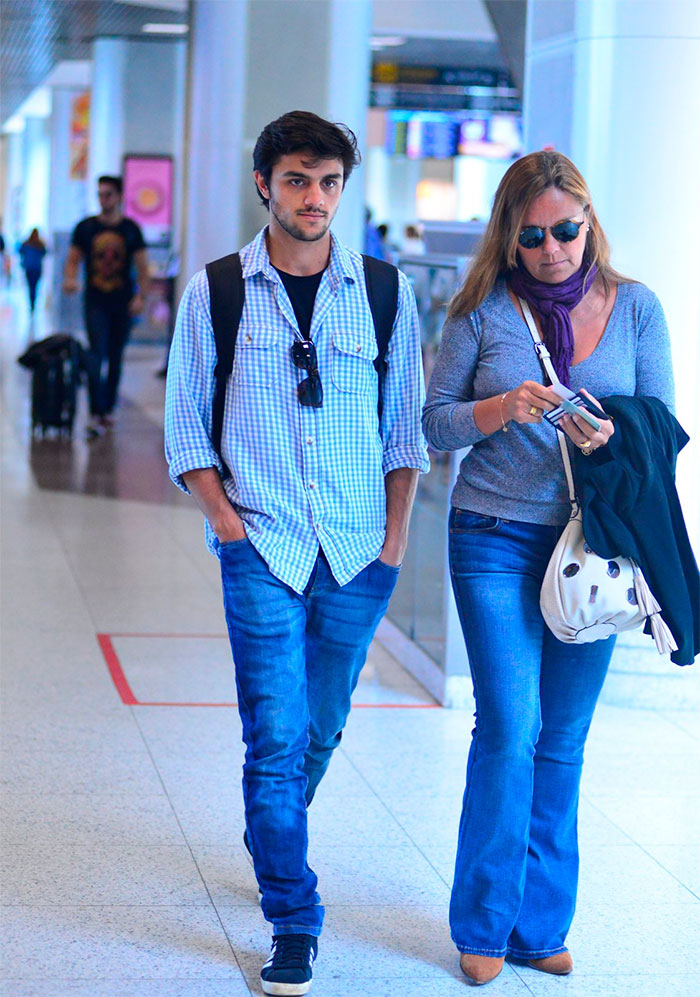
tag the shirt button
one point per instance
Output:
(309, 440)
(357, 347)
(312, 485)
(249, 338)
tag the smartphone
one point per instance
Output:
(582, 412)
(593, 409)
(575, 404)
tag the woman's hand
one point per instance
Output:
(584, 436)
(528, 402)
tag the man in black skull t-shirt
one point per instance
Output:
(109, 245)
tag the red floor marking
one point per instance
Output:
(115, 670)
(129, 699)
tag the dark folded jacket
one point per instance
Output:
(630, 508)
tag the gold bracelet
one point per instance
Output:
(500, 412)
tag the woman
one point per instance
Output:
(32, 254)
(516, 871)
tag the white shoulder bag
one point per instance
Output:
(585, 597)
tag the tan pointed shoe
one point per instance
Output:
(480, 969)
(560, 964)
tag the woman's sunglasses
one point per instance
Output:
(310, 390)
(532, 236)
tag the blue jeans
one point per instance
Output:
(297, 660)
(516, 871)
(33, 278)
(108, 331)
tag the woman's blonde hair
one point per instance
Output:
(524, 181)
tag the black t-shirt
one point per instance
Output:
(108, 252)
(302, 294)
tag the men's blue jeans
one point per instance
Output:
(108, 331)
(516, 872)
(297, 660)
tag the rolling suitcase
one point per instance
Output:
(56, 364)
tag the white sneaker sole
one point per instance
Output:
(285, 989)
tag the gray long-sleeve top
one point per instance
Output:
(519, 475)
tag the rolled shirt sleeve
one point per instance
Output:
(190, 385)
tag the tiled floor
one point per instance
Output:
(123, 869)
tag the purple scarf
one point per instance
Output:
(553, 302)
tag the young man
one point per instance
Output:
(109, 244)
(311, 526)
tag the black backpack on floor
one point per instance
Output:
(56, 364)
(227, 295)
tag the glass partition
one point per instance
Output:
(419, 604)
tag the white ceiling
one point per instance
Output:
(37, 35)
(459, 19)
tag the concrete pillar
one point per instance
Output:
(323, 65)
(213, 132)
(137, 104)
(261, 60)
(106, 111)
(13, 206)
(614, 85)
(36, 168)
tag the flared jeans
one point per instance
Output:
(516, 870)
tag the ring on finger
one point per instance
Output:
(534, 411)
(587, 446)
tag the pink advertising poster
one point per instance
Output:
(148, 196)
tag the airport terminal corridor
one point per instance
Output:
(123, 867)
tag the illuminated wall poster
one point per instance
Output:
(79, 137)
(148, 196)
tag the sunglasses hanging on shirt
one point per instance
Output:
(310, 390)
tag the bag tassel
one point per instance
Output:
(663, 638)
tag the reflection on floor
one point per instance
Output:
(123, 868)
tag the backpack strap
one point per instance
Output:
(226, 296)
(382, 280)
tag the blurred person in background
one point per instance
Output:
(109, 245)
(4, 259)
(374, 244)
(31, 254)
(389, 248)
(412, 241)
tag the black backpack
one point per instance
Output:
(227, 295)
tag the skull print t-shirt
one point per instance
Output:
(108, 252)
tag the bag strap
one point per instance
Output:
(543, 354)
(382, 282)
(226, 296)
(545, 359)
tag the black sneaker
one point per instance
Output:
(289, 969)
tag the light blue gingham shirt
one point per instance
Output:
(301, 477)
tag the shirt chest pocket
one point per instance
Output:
(352, 366)
(259, 357)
